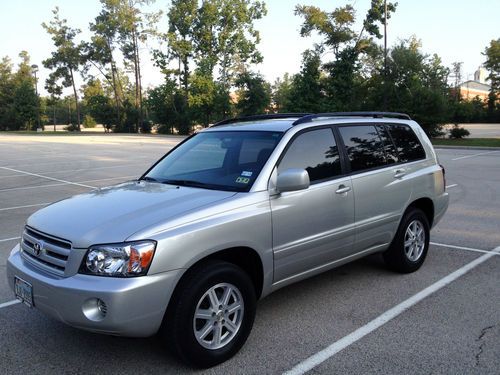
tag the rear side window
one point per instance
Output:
(364, 147)
(391, 154)
(407, 144)
(316, 152)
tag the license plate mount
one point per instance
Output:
(23, 291)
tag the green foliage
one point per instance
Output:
(307, 91)
(254, 94)
(25, 103)
(492, 64)
(281, 91)
(457, 132)
(67, 59)
(89, 122)
(18, 100)
(101, 109)
(169, 109)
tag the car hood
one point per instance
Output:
(113, 214)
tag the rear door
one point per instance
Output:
(380, 184)
(315, 226)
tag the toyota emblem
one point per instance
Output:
(38, 248)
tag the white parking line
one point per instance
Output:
(48, 178)
(464, 248)
(10, 303)
(10, 239)
(28, 205)
(387, 316)
(472, 156)
(77, 170)
(61, 184)
(451, 186)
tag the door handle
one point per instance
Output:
(399, 173)
(343, 189)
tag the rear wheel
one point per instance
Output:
(211, 314)
(411, 243)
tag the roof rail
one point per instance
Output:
(271, 116)
(309, 118)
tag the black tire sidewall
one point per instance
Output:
(395, 256)
(189, 294)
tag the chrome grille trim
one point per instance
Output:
(54, 255)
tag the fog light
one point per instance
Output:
(95, 309)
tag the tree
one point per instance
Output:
(169, 108)
(180, 35)
(307, 93)
(254, 94)
(24, 99)
(417, 85)
(492, 64)
(134, 27)
(67, 59)
(340, 39)
(225, 37)
(281, 92)
(26, 106)
(7, 87)
(100, 52)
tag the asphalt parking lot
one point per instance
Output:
(359, 318)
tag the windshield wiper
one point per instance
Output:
(149, 179)
(191, 183)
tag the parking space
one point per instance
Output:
(455, 329)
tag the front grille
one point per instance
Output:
(45, 251)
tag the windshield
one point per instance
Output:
(222, 160)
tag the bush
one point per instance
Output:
(89, 122)
(72, 128)
(458, 132)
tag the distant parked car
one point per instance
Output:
(228, 216)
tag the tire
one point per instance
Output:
(409, 258)
(226, 330)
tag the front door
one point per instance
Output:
(315, 226)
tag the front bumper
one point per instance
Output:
(135, 306)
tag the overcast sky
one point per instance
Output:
(457, 30)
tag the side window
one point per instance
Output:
(407, 143)
(391, 154)
(364, 147)
(316, 152)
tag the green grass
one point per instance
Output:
(473, 142)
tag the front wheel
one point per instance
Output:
(211, 314)
(411, 243)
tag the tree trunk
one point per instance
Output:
(141, 109)
(76, 99)
(115, 88)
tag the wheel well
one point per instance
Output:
(426, 205)
(245, 258)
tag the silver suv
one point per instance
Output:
(228, 216)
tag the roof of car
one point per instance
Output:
(283, 122)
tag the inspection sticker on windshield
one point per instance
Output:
(242, 180)
(246, 173)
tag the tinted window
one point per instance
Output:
(364, 147)
(391, 155)
(316, 152)
(407, 143)
(224, 160)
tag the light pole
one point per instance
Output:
(34, 68)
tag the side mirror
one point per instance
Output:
(292, 180)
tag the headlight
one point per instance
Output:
(119, 260)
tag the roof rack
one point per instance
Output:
(271, 116)
(309, 118)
